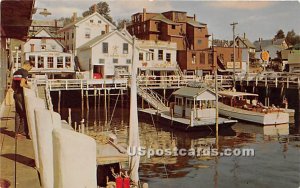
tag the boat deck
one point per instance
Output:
(185, 123)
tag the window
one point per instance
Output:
(125, 48)
(160, 54)
(168, 57)
(173, 26)
(72, 35)
(68, 62)
(128, 61)
(144, 27)
(43, 47)
(40, 62)
(141, 56)
(199, 41)
(60, 62)
(115, 60)
(152, 53)
(101, 61)
(102, 32)
(50, 62)
(91, 21)
(32, 59)
(193, 58)
(148, 56)
(231, 57)
(99, 21)
(87, 33)
(202, 58)
(105, 47)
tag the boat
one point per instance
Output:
(194, 108)
(245, 106)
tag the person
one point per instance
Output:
(19, 81)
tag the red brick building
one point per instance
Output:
(225, 56)
(190, 35)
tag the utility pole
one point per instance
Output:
(233, 31)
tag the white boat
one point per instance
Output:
(194, 108)
(244, 106)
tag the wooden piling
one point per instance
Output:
(87, 100)
(82, 104)
(59, 101)
(70, 117)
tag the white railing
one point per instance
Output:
(156, 100)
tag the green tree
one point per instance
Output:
(102, 8)
(280, 34)
(292, 38)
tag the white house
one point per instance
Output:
(47, 54)
(80, 31)
(107, 55)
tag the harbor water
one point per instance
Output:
(276, 162)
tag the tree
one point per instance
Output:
(102, 8)
(292, 38)
(66, 20)
(121, 23)
(280, 35)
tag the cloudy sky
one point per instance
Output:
(255, 18)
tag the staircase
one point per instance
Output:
(153, 98)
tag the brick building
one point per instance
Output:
(190, 35)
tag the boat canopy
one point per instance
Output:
(236, 94)
(196, 93)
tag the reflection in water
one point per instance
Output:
(275, 163)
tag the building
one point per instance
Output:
(225, 59)
(107, 55)
(190, 36)
(262, 44)
(157, 57)
(47, 54)
(52, 26)
(81, 31)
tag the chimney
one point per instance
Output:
(106, 28)
(125, 24)
(144, 14)
(244, 35)
(194, 17)
(74, 17)
(94, 8)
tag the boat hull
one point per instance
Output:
(273, 118)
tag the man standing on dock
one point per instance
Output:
(18, 83)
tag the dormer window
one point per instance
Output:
(91, 21)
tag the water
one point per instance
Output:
(276, 162)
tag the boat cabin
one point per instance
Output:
(238, 99)
(196, 103)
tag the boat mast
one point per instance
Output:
(134, 140)
(216, 91)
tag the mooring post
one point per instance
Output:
(70, 117)
(87, 99)
(82, 104)
(59, 101)
(75, 126)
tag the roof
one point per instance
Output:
(15, 18)
(246, 42)
(195, 23)
(191, 92)
(51, 36)
(100, 38)
(259, 45)
(162, 18)
(86, 18)
(235, 94)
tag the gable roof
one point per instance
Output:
(262, 44)
(87, 18)
(100, 38)
(245, 41)
(50, 35)
(162, 18)
(195, 23)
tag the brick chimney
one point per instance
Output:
(144, 14)
(74, 17)
(194, 17)
(244, 35)
(106, 28)
(94, 8)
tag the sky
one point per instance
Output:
(257, 19)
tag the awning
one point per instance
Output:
(16, 18)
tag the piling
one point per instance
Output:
(70, 117)
(87, 100)
(59, 101)
(82, 104)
